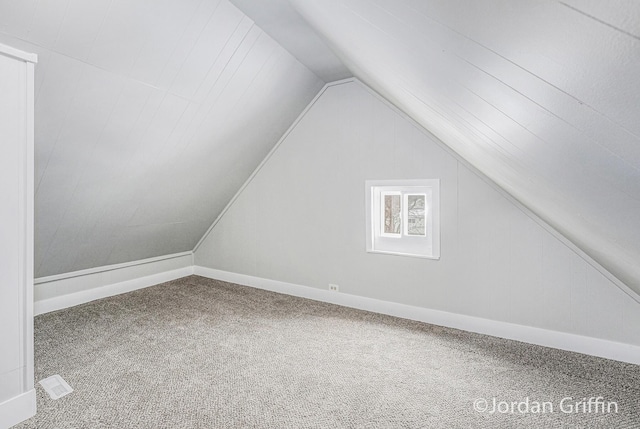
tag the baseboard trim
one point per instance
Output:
(18, 409)
(543, 337)
(106, 290)
(114, 267)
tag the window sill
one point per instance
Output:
(411, 255)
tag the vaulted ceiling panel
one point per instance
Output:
(542, 96)
(151, 114)
(149, 117)
(79, 27)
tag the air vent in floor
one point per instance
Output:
(55, 386)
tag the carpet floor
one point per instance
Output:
(199, 353)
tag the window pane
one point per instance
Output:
(416, 215)
(392, 214)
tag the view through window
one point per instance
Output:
(403, 217)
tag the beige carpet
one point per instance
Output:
(198, 353)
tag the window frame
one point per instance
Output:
(427, 246)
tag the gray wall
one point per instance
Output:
(139, 107)
(301, 220)
(540, 96)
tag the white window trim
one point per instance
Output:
(433, 215)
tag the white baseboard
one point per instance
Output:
(82, 287)
(543, 337)
(18, 409)
(67, 290)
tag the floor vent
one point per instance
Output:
(56, 387)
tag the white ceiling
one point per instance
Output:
(542, 96)
(149, 117)
(150, 114)
(280, 20)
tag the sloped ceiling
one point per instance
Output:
(151, 114)
(283, 22)
(542, 96)
(149, 117)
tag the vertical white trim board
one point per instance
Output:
(542, 337)
(29, 206)
(18, 409)
(67, 290)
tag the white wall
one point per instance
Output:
(301, 220)
(11, 224)
(17, 395)
(540, 96)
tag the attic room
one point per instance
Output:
(319, 214)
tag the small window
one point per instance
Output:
(403, 217)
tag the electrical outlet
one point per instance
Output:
(334, 288)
